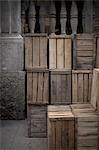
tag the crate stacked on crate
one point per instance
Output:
(60, 64)
(36, 66)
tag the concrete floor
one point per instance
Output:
(13, 136)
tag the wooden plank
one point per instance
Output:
(74, 88)
(29, 87)
(86, 53)
(35, 84)
(28, 52)
(58, 135)
(40, 87)
(97, 54)
(90, 86)
(63, 88)
(53, 89)
(95, 89)
(46, 88)
(80, 87)
(85, 86)
(81, 71)
(43, 52)
(68, 89)
(36, 52)
(52, 53)
(64, 135)
(60, 54)
(58, 90)
(68, 53)
(71, 135)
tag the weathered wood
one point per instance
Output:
(95, 89)
(83, 51)
(35, 51)
(97, 53)
(28, 52)
(87, 126)
(38, 87)
(60, 52)
(61, 128)
(37, 121)
(81, 86)
(60, 87)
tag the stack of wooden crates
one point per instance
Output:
(36, 64)
(59, 72)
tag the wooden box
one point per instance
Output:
(38, 86)
(60, 49)
(83, 51)
(37, 120)
(81, 86)
(35, 50)
(61, 128)
(87, 127)
(60, 84)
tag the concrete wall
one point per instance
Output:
(12, 76)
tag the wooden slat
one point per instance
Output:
(71, 135)
(58, 90)
(90, 86)
(36, 52)
(85, 86)
(28, 52)
(52, 53)
(43, 52)
(97, 54)
(68, 89)
(53, 89)
(60, 54)
(35, 84)
(95, 89)
(74, 88)
(58, 135)
(40, 87)
(46, 88)
(68, 53)
(29, 87)
(80, 87)
(63, 88)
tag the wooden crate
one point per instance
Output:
(37, 120)
(60, 49)
(60, 84)
(81, 86)
(87, 127)
(35, 50)
(38, 86)
(83, 51)
(61, 128)
(95, 90)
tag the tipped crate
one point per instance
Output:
(83, 51)
(61, 128)
(87, 127)
(38, 86)
(60, 83)
(35, 51)
(37, 120)
(81, 86)
(60, 52)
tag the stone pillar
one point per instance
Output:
(12, 76)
